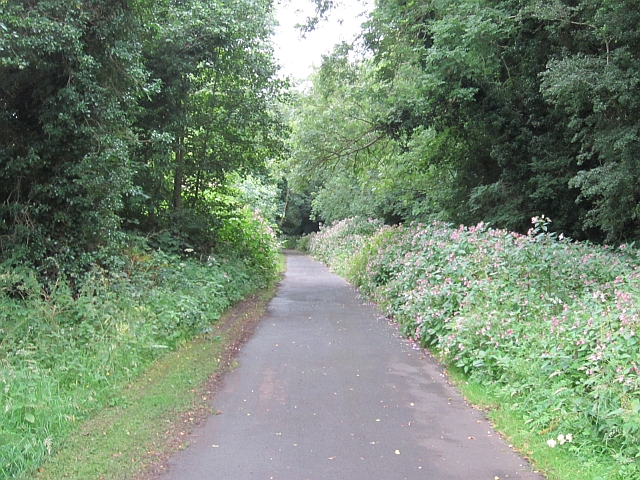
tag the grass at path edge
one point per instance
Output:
(151, 417)
(559, 463)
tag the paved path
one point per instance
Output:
(326, 390)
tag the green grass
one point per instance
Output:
(151, 416)
(67, 349)
(125, 437)
(558, 463)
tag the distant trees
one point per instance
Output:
(119, 115)
(484, 110)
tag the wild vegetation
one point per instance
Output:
(66, 352)
(133, 137)
(548, 325)
(142, 146)
(479, 110)
(130, 117)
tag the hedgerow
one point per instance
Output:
(548, 324)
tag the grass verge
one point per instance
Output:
(151, 417)
(563, 462)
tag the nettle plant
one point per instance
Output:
(550, 324)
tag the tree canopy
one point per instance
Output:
(135, 116)
(128, 115)
(481, 110)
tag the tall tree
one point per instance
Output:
(594, 85)
(502, 110)
(215, 113)
(69, 72)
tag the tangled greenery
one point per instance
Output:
(548, 324)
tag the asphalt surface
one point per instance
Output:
(326, 389)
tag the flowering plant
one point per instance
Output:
(550, 324)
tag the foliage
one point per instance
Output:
(214, 118)
(597, 90)
(123, 116)
(303, 242)
(261, 195)
(336, 244)
(548, 324)
(486, 110)
(295, 216)
(65, 355)
(129, 116)
(252, 241)
(69, 74)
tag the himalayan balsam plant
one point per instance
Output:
(550, 324)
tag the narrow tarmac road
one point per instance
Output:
(326, 390)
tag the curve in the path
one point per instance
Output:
(326, 390)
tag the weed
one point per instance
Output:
(67, 352)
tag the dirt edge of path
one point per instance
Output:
(236, 327)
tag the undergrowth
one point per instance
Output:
(548, 325)
(67, 349)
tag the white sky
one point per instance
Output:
(297, 55)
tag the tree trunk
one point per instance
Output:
(178, 174)
(284, 210)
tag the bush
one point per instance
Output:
(67, 351)
(549, 325)
(303, 242)
(336, 244)
(252, 241)
(289, 241)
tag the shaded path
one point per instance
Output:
(326, 390)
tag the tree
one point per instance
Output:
(495, 111)
(215, 112)
(595, 86)
(129, 111)
(69, 73)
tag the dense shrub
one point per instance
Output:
(67, 351)
(335, 245)
(252, 241)
(548, 324)
(303, 242)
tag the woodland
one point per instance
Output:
(157, 119)
(130, 117)
(150, 155)
(480, 110)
